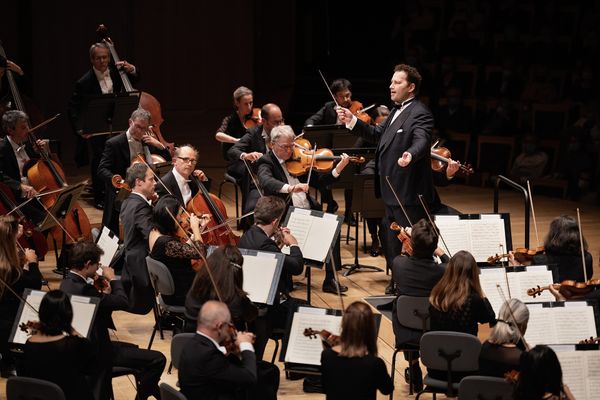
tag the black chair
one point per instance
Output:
(484, 388)
(22, 388)
(168, 392)
(413, 313)
(452, 352)
(178, 343)
(162, 282)
(236, 188)
(124, 371)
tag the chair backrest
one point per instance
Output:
(168, 392)
(439, 349)
(177, 345)
(160, 276)
(484, 388)
(22, 388)
(413, 312)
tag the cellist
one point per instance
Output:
(102, 78)
(15, 153)
(116, 158)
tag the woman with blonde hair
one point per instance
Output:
(15, 276)
(351, 369)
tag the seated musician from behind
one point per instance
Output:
(562, 248)
(169, 249)
(416, 275)
(116, 158)
(275, 180)
(351, 369)
(177, 181)
(56, 352)
(501, 352)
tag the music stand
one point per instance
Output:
(364, 201)
(62, 206)
(108, 113)
(323, 135)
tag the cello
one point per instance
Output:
(147, 101)
(47, 174)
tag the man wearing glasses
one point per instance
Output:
(177, 181)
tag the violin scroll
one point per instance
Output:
(328, 338)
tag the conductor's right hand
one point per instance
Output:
(344, 115)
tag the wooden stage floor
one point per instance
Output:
(467, 199)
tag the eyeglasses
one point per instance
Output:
(286, 147)
(188, 160)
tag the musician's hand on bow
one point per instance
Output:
(28, 191)
(453, 167)
(512, 261)
(344, 115)
(300, 187)
(255, 155)
(344, 160)
(129, 68)
(247, 337)
(557, 295)
(405, 159)
(200, 175)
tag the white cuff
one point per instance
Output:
(350, 125)
(335, 173)
(246, 346)
(285, 188)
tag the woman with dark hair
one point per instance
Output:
(167, 248)
(15, 277)
(541, 376)
(56, 352)
(563, 249)
(351, 369)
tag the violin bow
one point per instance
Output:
(387, 179)
(7, 286)
(512, 316)
(435, 228)
(312, 164)
(537, 238)
(227, 222)
(328, 89)
(56, 220)
(254, 179)
(581, 244)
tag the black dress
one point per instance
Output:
(177, 256)
(496, 360)
(568, 265)
(354, 378)
(65, 362)
(474, 310)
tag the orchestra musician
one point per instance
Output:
(18, 274)
(85, 260)
(4, 90)
(136, 217)
(102, 78)
(275, 180)
(116, 158)
(177, 181)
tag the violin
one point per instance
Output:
(101, 283)
(302, 159)
(30, 327)
(328, 338)
(404, 238)
(521, 254)
(253, 119)
(440, 157)
(357, 109)
(119, 183)
(570, 289)
(591, 340)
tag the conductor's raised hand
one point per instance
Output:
(405, 159)
(344, 115)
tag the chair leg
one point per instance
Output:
(410, 373)
(393, 371)
(221, 188)
(170, 368)
(152, 337)
(275, 352)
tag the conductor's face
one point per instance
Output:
(400, 88)
(100, 59)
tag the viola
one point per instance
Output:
(253, 119)
(328, 338)
(357, 109)
(521, 254)
(440, 157)
(119, 183)
(230, 343)
(570, 289)
(147, 101)
(302, 160)
(404, 237)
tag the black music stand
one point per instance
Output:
(324, 135)
(365, 203)
(106, 114)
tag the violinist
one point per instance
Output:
(102, 78)
(116, 158)
(416, 275)
(342, 92)
(18, 274)
(275, 180)
(177, 181)
(15, 153)
(167, 248)
(85, 260)
(563, 249)
(56, 352)
(136, 217)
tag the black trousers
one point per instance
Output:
(97, 143)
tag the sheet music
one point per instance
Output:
(581, 370)
(83, 314)
(456, 234)
(260, 274)
(34, 298)
(302, 349)
(109, 244)
(560, 325)
(314, 233)
(489, 278)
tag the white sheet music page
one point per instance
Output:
(560, 325)
(258, 276)
(532, 277)
(314, 233)
(299, 225)
(83, 314)
(487, 237)
(489, 278)
(109, 244)
(455, 233)
(581, 370)
(34, 299)
(306, 350)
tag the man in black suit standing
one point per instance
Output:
(177, 181)
(102, 78)
(116, 158)
(85, 259)
(403, 154)
(206, 369)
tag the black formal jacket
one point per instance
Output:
(117, 300)
(115, 160)
(411, 131)
(325, 116)
(9, 168)
(136, 216)
(206, 373)
(251, 141)
(171, 186)
(256, 239)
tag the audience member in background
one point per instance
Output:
(531, 162)
(453, 115)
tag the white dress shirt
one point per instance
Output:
(135, 146)
(21, 156)
(184, 186)
(105, 81)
